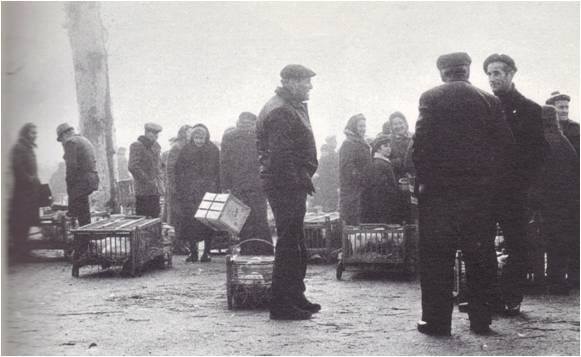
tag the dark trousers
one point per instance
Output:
(147, 206)
(79, 208)
(450, 221)
(290, 262)
(256, 226)
(561, 232)
(511, 213)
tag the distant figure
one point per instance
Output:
(163, 160)
(58, 184)
(401, 138)
(569, 128)
(197, 171)
(145, 166)
(184, 135)
(355, 164)
(524, 117)
(82, 177)
(288, 161)
(326, 180)
(380, 198)
(461, 147)
(122, 164)
(24, 204)
(240, 175)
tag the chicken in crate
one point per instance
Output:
(248, 278)
(132, 242)
(379, 247)
(322, 236)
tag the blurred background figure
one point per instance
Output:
(163, 163)
(239, 174)
(123, 164)
(326, 180)
(401, 141)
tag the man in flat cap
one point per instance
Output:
(524, 117)
(81, 172)
(461, 146)
(569, 128)
(145, 166)
(288, 160)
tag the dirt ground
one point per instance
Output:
(183, 311)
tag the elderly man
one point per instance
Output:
(82, 178)
(569, 128)
(145, 166)
(288, 160)
(524, 117)
(461, 144)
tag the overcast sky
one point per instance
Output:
(180, 63)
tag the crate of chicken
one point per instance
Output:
(130, 242)
(322, 232)
(222, 212)
(248, 278)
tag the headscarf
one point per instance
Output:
(351, 128)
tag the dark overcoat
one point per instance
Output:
(380, 198)
(286, 145)
(145, 166)
(571, 131)
(354, 167)
(24, 204)
(197, 171)
(82, 177)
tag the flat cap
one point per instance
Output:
(555, 96)
(495, 57)
(156, 128)
(453, 59)
(379, 140)
(61, 129)
(296, 71)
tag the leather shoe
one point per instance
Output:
(304, 304)
(433, 329)
(289, 312)
(512, 309)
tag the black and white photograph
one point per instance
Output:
(305, 178)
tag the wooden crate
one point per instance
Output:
(222, 212)
(322, 234)
(128, 241)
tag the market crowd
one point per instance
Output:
(476, 160)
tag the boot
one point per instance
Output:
(304, 304)
(432, 329)
(288, 312)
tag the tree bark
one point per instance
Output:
(86, 35)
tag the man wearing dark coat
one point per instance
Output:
(569, 128)
(82, 177)
(239, 174)
(288, 160)
(524, 117)
(145, 166)
(461, 145)
(24, 203)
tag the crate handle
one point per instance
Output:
(253, 240)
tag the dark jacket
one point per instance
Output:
(197, 171)
(145, 166)
(399, 148)
(380, 199)
(285, 143)
(26, 183)
(239, 168)
(462, 140)
(82, 177)
(571, 131)
(524, 117)
(354, 167)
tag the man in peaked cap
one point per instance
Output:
(81, 177)
(288, 161)
(524, 117)
(145, 166)
(459, 129)
(569, 127)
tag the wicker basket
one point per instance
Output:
(248, 279)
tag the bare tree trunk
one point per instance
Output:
(86, 34)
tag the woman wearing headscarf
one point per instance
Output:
(197, 171)
(401, 139)
(354, 165)
(380, 197)
(24, 204)
(556, 194)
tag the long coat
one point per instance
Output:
(82, 177)
(172, 158)
(462, 141)
(354, 166)
(24, 204)
(197, 171)
(239, 173)
(286, 145)
(145, 166)
(380, 198)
